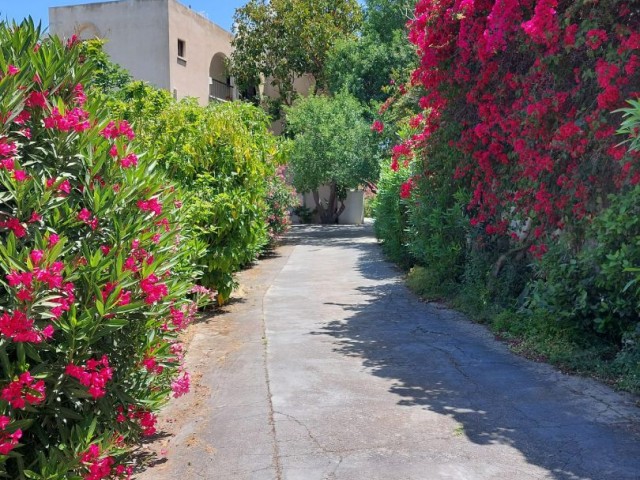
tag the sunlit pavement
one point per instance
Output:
(329, 368)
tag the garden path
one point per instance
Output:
(328, 368)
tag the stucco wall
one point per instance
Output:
(203, 40)
(136, 31)
(142, 36)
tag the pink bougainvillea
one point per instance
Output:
(532, 83)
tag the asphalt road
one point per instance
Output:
(328, 368)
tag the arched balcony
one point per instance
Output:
(220, 84)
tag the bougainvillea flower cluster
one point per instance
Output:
(532, 84)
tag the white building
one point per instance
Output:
(159, 41)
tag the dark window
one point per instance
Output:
(182, 48)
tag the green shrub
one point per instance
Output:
(589, 288)
(437, 237)
(281, 200)
(90, 300)
(390, 212)
(332, 146)
(224, 158)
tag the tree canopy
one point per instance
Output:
(332, 146)
(281, 40)
(365, 64)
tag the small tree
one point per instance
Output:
(332, 146)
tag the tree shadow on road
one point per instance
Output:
(438, 360)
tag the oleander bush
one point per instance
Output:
(91, 300)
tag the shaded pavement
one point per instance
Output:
(328, 368)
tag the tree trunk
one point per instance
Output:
(330, 214)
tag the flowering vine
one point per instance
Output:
(532, 83)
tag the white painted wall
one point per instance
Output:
(136, 31)
(353, 213)
(142, 36)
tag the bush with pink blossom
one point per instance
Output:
(94, 276)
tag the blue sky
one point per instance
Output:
(218, 11)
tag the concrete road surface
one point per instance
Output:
(328, 368)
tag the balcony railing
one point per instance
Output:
(220, 91)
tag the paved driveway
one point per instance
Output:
(327, 367)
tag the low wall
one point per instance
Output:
(354, 206)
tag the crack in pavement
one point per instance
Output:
(309, 434)
(275, 449)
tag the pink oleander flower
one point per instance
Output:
(85, 216)
(20, 175)
(129, 161)
(8, 164)
(65, 187)
(8, 441)
(150, 363)
(53, 240)
(24, 391)
(99, 468)
(79, 95)
(181, 385)
(36, 256)
(151, 205)
(94, 375)
(124, 298)
(75, 119)
(15, 226)
(107, 289)
(113, 130)
(73, 41)
(153, 291)
(37, 99)
(21, 329)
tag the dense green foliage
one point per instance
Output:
(280, 40)
(332, 146)
(223, 157)
(365, 65)
(281, 198)
(588, 287)
(91, 299)
(390, 212)
(573, 298)
(106, 76)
